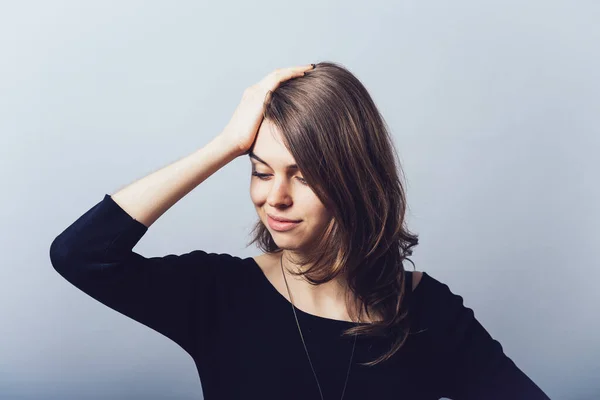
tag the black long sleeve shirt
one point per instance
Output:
(242, 335)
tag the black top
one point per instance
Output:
(243, 338)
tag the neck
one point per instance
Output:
(328, 298)
(338, 284)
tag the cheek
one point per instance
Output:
(321, 217)
(318, 211)
(318, 214)
(257, 194)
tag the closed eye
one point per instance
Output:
(265, 177)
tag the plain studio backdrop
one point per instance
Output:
(493, 107)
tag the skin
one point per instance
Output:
(284, 193)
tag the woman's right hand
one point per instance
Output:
(243, 126)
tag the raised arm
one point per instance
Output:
(147, 199)
(174, 294)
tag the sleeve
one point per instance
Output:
(168, 294)
(473, 364)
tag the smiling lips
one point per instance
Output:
(281, 219)
(281, 226)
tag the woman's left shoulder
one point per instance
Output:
(434, 296)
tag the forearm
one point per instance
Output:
(151, 196)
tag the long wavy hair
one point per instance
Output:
(342, 145)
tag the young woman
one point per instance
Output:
(327, 311)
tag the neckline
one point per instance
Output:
(314, 317)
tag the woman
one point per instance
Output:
(327, 311)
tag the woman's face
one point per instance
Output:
(282, 192)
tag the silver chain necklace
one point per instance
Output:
(302, 337)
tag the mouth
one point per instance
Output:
(282, 226)
(281, 219)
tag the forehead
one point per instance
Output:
(269, 149)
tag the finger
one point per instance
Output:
(292, 70)
(272, 80)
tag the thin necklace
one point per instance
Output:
(302, 337)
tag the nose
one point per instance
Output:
(279, 194)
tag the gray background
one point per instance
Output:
(493, 107)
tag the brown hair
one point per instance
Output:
(341, 143)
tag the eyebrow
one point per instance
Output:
(257, 158)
